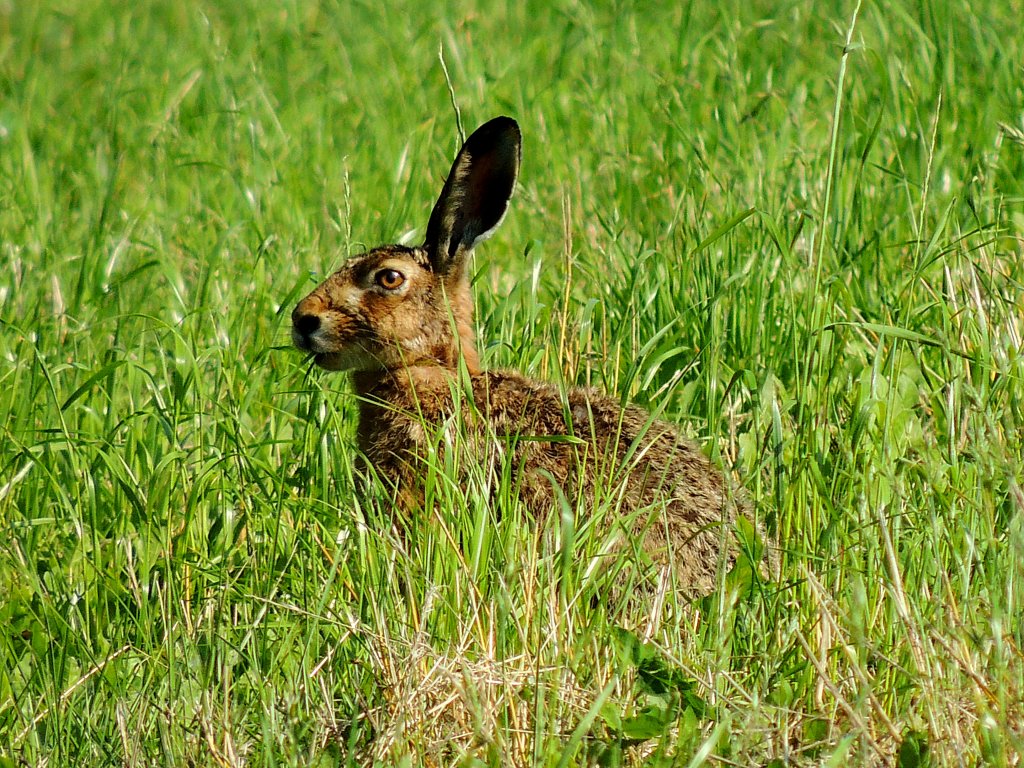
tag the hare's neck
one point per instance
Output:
(388, 400)
(449, 356)
(462, 310)
(403, 387)
(468, 350)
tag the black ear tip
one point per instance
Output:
(496, 129)
(503, 123)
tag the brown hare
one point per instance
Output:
(400, 320)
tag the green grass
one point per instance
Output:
(823, 286)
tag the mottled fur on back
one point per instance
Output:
(682, 498)
(400, 320)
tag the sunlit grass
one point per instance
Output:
(187, 575)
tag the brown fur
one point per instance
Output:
(404, 349)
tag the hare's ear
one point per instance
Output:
(475, 195)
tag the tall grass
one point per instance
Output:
(793, 232)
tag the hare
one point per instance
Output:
(399, 319)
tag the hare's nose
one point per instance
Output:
(306, 325)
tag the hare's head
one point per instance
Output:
(397, 306)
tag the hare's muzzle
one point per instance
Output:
(303, 328)
(308, 335)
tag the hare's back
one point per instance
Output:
(614, 443)
(583, 441)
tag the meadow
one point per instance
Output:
(792, 228)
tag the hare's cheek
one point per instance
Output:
(379, 306)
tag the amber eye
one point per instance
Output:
(390, 279)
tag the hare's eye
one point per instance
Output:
(390, 279)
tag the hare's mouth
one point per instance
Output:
(331, 361)
(347, 359)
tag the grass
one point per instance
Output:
(819, 276)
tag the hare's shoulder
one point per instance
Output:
(517, 404)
